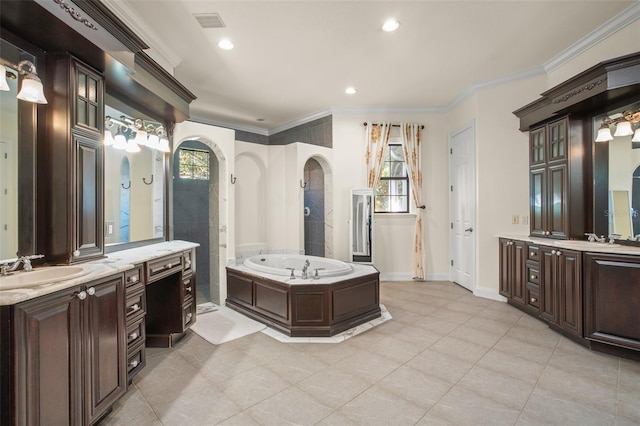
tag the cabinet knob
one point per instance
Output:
(82, 295)
(134, 308)
(169, 265)
(133, 336)
(91, 291)
(534, 300)
(133, 278)
(76, 253)
(188, 289)
(533, 277)
(553, 252)
(558, 253)
(189, 315)
(533, 254)
(547, 233)
(134, 363)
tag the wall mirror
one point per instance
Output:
(361, 225)
(617, 177)
(134, 169)
(18, 129)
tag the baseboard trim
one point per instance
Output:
(406, 276)
(489, 293)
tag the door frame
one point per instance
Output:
(471, 126)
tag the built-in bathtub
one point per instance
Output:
(341, 297)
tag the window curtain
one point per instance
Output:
(377, 142)
(412, 137)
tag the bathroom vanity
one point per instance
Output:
(70, 348)
(586, 290)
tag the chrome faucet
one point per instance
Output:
(594, 238)
(316, 276)
(613, 237)
(305, 275)
(6, 269)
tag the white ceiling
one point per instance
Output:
(293, 59)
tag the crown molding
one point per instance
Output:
(299, 121)
(613, 25)
(228, 125)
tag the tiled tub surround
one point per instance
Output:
(113, 263)
(587, 291)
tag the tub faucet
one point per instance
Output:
(305, 275)
(612, 238)
(315, 276)
(6, 269)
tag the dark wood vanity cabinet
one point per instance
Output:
(73, 159)
(68, 362)
(171, 299)
(512, 270)
(135, 307)
(555, 179)
(612, 301)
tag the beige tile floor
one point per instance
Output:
(446, 357)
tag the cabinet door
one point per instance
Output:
(48, 360)
(569, 289)
(557, 141)
(89, 235)
(557, 199)
(538, 202)
(518, 278)
(548, 309)
(105, 346)
(537, 146)
(88, 106)
(505, 268)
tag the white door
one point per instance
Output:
(462, 212)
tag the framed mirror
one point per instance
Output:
(617, 174)
(361, 225)
(18, 142)
(135, 189)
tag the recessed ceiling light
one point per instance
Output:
(225, 44)
(390, 25)
(350, 90)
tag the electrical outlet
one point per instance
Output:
(515, 219)
(525, 220)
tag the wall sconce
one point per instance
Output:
(624, 127)
(31, 90)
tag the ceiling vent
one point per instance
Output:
(209, 20)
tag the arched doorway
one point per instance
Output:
(195, 212)
(314, 209)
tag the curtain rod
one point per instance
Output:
(393, 125)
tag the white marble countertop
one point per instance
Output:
(113, 263)
(359, 270)
(578, 245)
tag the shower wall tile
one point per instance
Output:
(317, 132)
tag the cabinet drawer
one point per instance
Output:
(533, 295)
(533, 274)
(133, 277)
(135, 305)
(533, 253)
(188, 314)
(188, 262)
(135, 361)
(135, 332)
(163, 267)
(188, 284)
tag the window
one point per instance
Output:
(194, 164)
(392, 193)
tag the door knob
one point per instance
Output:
(468, 230)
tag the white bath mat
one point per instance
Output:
(205, 307)
(341, 337)
(223, 325)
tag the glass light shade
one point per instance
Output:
(32, 90)
(141, 137)
(153, 141)
(636, 136)
(119, 142)
(623, 128)
(4, 86)
(108, 138)
(163, 145)
(132, 146)
(604, 134)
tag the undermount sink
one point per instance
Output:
(584, 245)
(40, 276)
